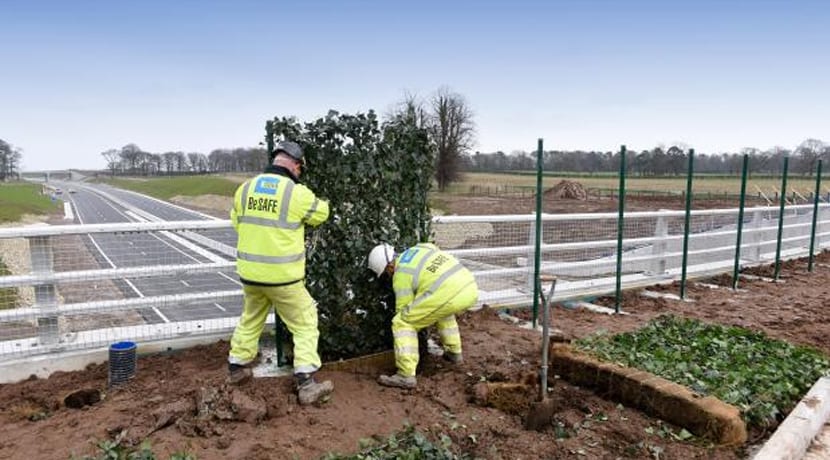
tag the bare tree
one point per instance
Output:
(453, 131)
(131, 155)
(6, 150)
(9, 161)
(113, 159)
(181, 162)
(198, 162)
(411, 108)
(808, 153)
(168, 159)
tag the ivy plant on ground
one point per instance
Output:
(761, 376)
(376, 178)
(408, 444)
(115, 450)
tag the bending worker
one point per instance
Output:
(269, 214)
(431, 287)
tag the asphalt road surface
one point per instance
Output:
(98, 204)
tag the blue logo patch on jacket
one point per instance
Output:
(267, 185)
(408, 255)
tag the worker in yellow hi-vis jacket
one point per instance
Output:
(431, 287)
(270, 213)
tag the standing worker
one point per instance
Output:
(269, 215)
(431, 287)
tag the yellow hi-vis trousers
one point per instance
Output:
(407, 322)
(296, 309)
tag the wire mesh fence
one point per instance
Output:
(83, 286)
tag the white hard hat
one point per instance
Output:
(379, 258)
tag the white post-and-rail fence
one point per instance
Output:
(81, 287)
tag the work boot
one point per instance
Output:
(455, 358)
(238, 374)
(310, 391)
(398, 380)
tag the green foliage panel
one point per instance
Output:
(763, 377)
(376, 178)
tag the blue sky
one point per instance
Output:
(79, 77)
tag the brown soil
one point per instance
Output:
(568, 190)
(179, 401)
(485, 205)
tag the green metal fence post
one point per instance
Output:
(781, 219)
(620, 227)
(538, 245)
(740, 223)
(815, 219)
(686, 220)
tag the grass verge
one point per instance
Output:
(17, 199)
(761, 376)
(168, 187)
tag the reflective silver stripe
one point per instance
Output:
(429, 292)
(306, 369)
(245, 197)
(420, 268)
(405, 334)
(286, 201)
(270, 259)
(448, 331)
(239, 361)
(407, 270)
(264, 222)
(311, 210)
(406, 350)
(400, 293)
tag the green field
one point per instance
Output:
(486, 183)
(168, 187)
(17, 199)
(701, 184)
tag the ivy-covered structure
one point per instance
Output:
(376, 178)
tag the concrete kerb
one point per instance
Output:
(43, 366)
(706, 417)
(794, 436)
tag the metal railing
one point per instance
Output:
(79, 287)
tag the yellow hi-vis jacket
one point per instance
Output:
(269, 214)
(426, 275)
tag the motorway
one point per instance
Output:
(98, 204)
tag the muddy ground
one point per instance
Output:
(179, 401)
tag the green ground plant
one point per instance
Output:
(761, 376)
(407, 444)
(17, 199)
(115, 450)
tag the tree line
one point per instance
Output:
(659, 161)
(445, 115)
(9, 161)
(448, 119)
(133, 160)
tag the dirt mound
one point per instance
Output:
(566, 189)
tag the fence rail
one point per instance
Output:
(76, 287)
